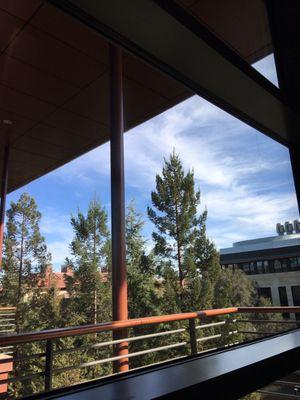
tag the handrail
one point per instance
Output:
(269, 310)
(190, 338)
(110, 326)
(27, 337)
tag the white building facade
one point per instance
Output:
(273, 263)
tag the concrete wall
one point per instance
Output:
(274, 280)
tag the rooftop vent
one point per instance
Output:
(288, 227)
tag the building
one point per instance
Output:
(58, 280)
(273, 263)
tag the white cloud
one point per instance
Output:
(229, 161)
(58, 232)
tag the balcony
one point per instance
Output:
(243, 336)
(62, 95)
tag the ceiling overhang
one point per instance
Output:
(54, 73)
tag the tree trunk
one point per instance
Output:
(95, 278)
(178, 250)
(18, 316)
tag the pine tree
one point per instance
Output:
(25, 257)
(174, 214)
(90, 296)
(234, 289)
(142, 293)
(25, 261)
(181, 241)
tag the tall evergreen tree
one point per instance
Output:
(90, 248)
(174, 215)
(142, 293)
(181, 241)
(25, 256)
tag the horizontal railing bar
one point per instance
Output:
(112, 342)
(111, 359)
(1, 326)
(203, 339)
(273, 321)
(216, 348)
(278, 394)
(24, 358)
(6, 319)
(110, 326)
(269, 310)
(117, 325)
(7, 308)
(7, 315)
(210, 325)
(257, 333)
(286, 383)
(21, 378)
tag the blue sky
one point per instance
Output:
(245, 177)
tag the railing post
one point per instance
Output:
(193, 336)
(4, 184)
(49, 365)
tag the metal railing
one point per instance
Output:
(7, 326)
(182, 333)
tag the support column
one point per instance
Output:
(3, 197)
(119, 282)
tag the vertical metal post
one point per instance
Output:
(3, 197)
(48, 365)
(193, 336)
(119, 281)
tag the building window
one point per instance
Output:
(265, 292)
(284, 265)
(260, 268)
(296, 298)
(252, 268)
(266, 266)
(277, 265)
(283, 299)
(294, 263)
(245, 267)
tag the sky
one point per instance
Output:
(245, 177)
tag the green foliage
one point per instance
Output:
(89, 300)
(174, 214)
(181, 273)
(89, 294)
(25, 252)
(233, 289)
(25, 260)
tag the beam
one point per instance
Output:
(285, 31)
(119, 282)
(3, 196)
(162, 34)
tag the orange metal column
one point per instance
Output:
(119, 281)
(3, 197)
(5, 368)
